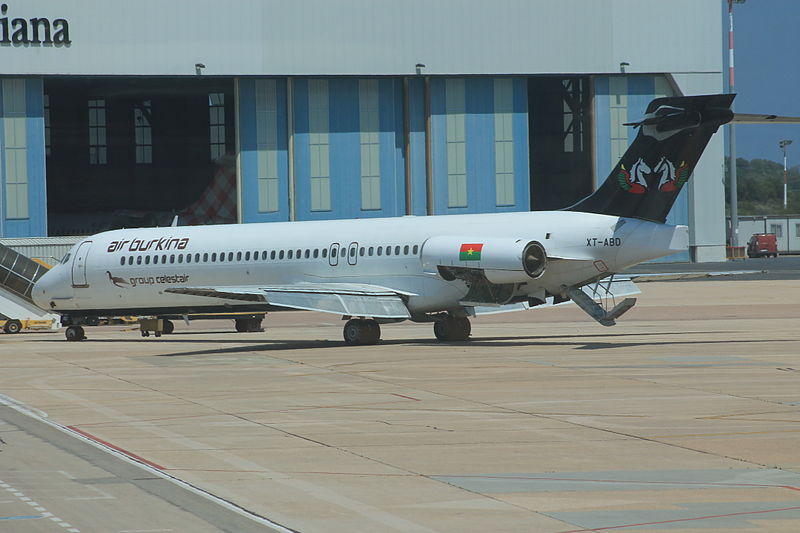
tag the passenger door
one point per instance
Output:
(352, 253)
(333, 254)
(79, 265)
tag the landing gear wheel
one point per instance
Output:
(75, 333)
(374, 330)
(167, 326)
(361, 332)
(452, 329)
(248, 325)
(12, 326)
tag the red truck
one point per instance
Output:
(762, 244)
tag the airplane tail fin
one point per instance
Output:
(672, 136)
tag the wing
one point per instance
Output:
(338, 298)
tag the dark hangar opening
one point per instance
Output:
(560, 125)
(137, 151)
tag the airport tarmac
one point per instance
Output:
(684, 417)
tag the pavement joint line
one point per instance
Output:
(677, 520)
(34, 413)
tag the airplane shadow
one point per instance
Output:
(477, 342)
(578, 342)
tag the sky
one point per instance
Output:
(767, 77)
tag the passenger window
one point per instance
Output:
(172, 258)
(155, 259)
(221, 257)
(316, 253)
(230, 256)
(324, 253)
(280, 255)
(122, 260)
(180, 258)
(188, 258)
(405, 250)
(264, 255)
(197, 258)
(164, 259)
(371, 249)
(299, 254)
(388, 250)
(214, 257)
(147, 260)
(205, 257)
(361, 251)
(247, 256)
(353, 251)
(415, 249)
(138, 259)
(272, 255)
(291, 254)
(238, 256)
(380, 250)
(308, 253)
(130, 259)
(334, 251)
(396, 250)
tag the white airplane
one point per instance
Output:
(439, 269)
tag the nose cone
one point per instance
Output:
(51, 287)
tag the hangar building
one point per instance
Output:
(127, 113)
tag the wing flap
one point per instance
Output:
(337, 298)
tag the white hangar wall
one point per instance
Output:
(367, 37)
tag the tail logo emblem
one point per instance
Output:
(670, 178)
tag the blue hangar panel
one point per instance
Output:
(23, 194)
(348, 148)
(479, 145)
(264, 155)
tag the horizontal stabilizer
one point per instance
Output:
(749, 118)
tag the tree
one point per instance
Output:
(760, 187)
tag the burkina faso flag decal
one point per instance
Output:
(470, 252)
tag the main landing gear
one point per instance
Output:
(248, 325)
(452, 329)
(361, 331)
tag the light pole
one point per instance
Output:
(734, 193)
(783, 144)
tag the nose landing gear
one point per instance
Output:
(75, 333)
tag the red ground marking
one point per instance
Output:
(117, 448)
(406, 397)
(681, 520)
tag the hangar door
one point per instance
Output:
(559, 122)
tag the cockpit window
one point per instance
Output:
(66, 257)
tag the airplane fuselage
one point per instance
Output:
(127, 271)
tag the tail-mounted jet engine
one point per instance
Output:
(497, 260)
